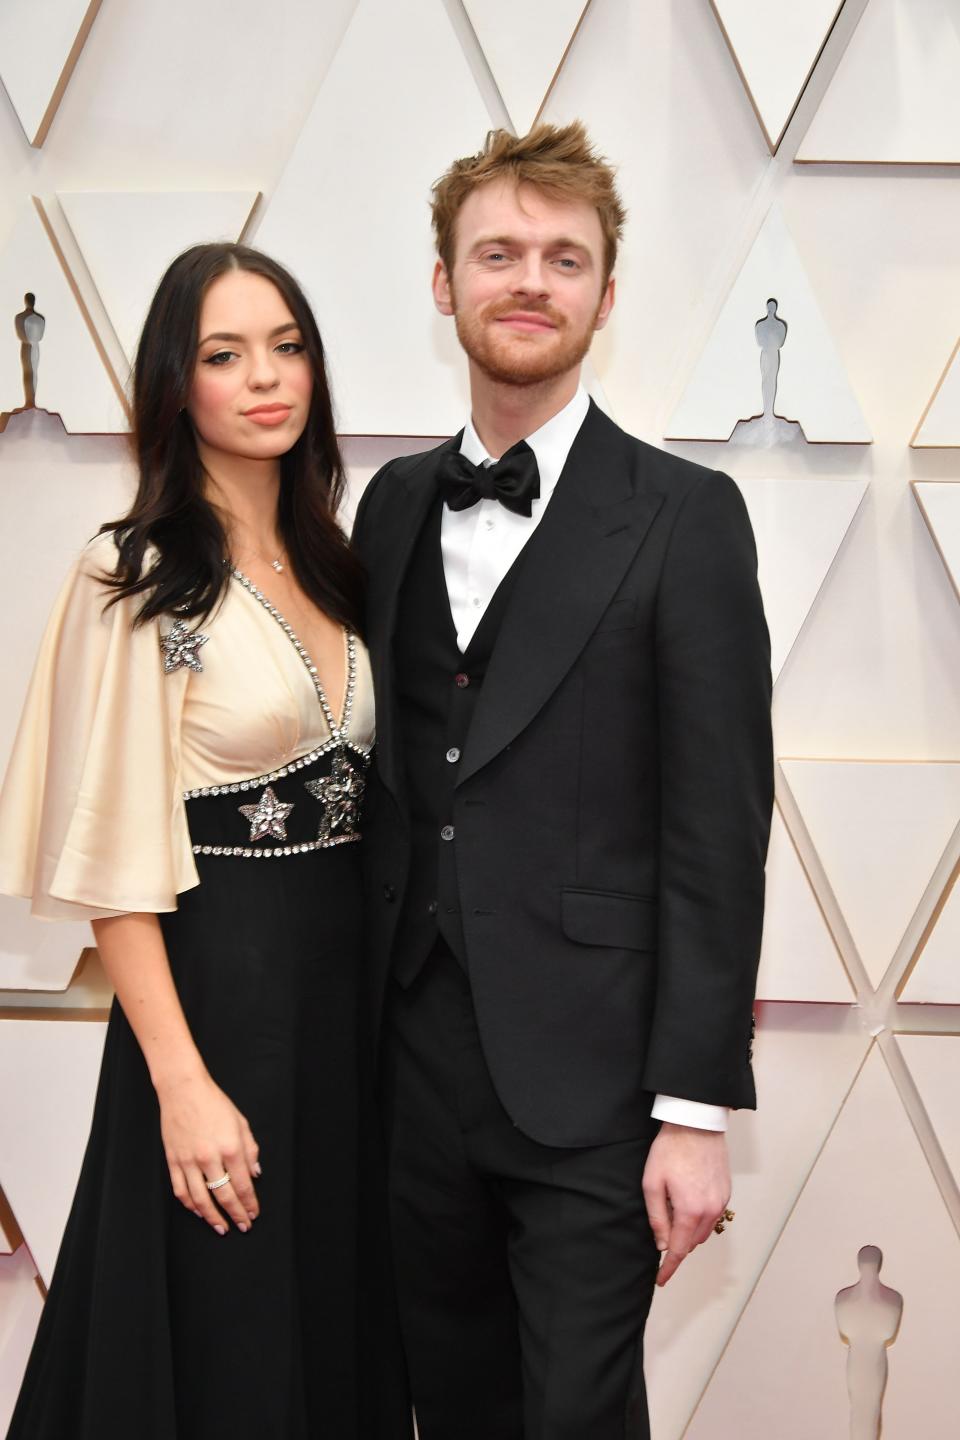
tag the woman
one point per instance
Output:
(187, 775)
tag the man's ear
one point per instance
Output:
(442, 294)
(606, 304)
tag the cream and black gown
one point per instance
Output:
(199, 774)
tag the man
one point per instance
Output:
(566, 832)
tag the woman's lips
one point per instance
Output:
(268, 414)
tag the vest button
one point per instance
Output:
(462, 681)
(453, 755)
(432, 908)
(390, 892)
(447, 833)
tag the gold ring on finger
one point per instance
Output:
(218, 1184)
(723, 1221)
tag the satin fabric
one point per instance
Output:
(92, 819)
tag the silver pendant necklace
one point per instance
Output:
(279, 564)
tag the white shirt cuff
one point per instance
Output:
(689, 1112)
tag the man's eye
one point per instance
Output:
(569, 263)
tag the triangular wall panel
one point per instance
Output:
(881, 830)
(934, 1063)
(799, 959)
(128, 239)
(10, 1236)
(799, 527)
(395, 363)
(525, 43)
(776, 45)
(939, 502)
(895, 97)
(39, 46)
(940, 422)
(590, 381)
(72, 376)
(935, 978)
(34, 956)
(784, 1372)
(48, 1075)
(812, 386)
(805, 1059)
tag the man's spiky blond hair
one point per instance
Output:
(557, 160)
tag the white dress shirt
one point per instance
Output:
(479, 545)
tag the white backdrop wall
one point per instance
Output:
(340, 116)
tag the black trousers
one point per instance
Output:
(524, 1272)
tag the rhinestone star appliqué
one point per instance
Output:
(180, 647)
(267, 817)
(340, 794)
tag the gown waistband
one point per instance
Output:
(311, 804)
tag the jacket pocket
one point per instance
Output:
(619, 615)
(603, 917)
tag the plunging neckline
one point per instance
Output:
(337, 725)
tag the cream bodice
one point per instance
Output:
(92, 813)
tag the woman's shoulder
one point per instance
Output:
(96, 565)
(98, 558)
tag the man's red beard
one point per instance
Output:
(512, 358)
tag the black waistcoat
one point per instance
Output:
(437, 689)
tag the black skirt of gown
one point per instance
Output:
(157, 1328)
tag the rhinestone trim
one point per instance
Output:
(338, 731)
(257, 781)
(245, 852)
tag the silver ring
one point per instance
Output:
(216, 1184)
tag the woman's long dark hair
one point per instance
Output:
(170, 511)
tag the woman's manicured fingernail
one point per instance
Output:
(257, 1170)
(220, 1229)
(243, 1229)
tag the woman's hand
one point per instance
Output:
(204, 1137)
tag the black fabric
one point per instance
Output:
(156, 1327)
(610, 810)
(438, 688)
(612, 802)
(514, 480)
(524, 1272)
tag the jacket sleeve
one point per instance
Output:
(360, 535)
(92, 821)
(716, 787)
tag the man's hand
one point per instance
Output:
(686, 1185)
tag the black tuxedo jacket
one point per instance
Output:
(613, 800)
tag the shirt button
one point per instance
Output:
(488, 524)
(453, 755)
(389, 892)
(461, 681)
(447, 833)
(432, 908)
(476, 602)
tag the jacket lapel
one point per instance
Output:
(573, 565)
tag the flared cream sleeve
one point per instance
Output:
(92, 821)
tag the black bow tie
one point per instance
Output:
(514, 480)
